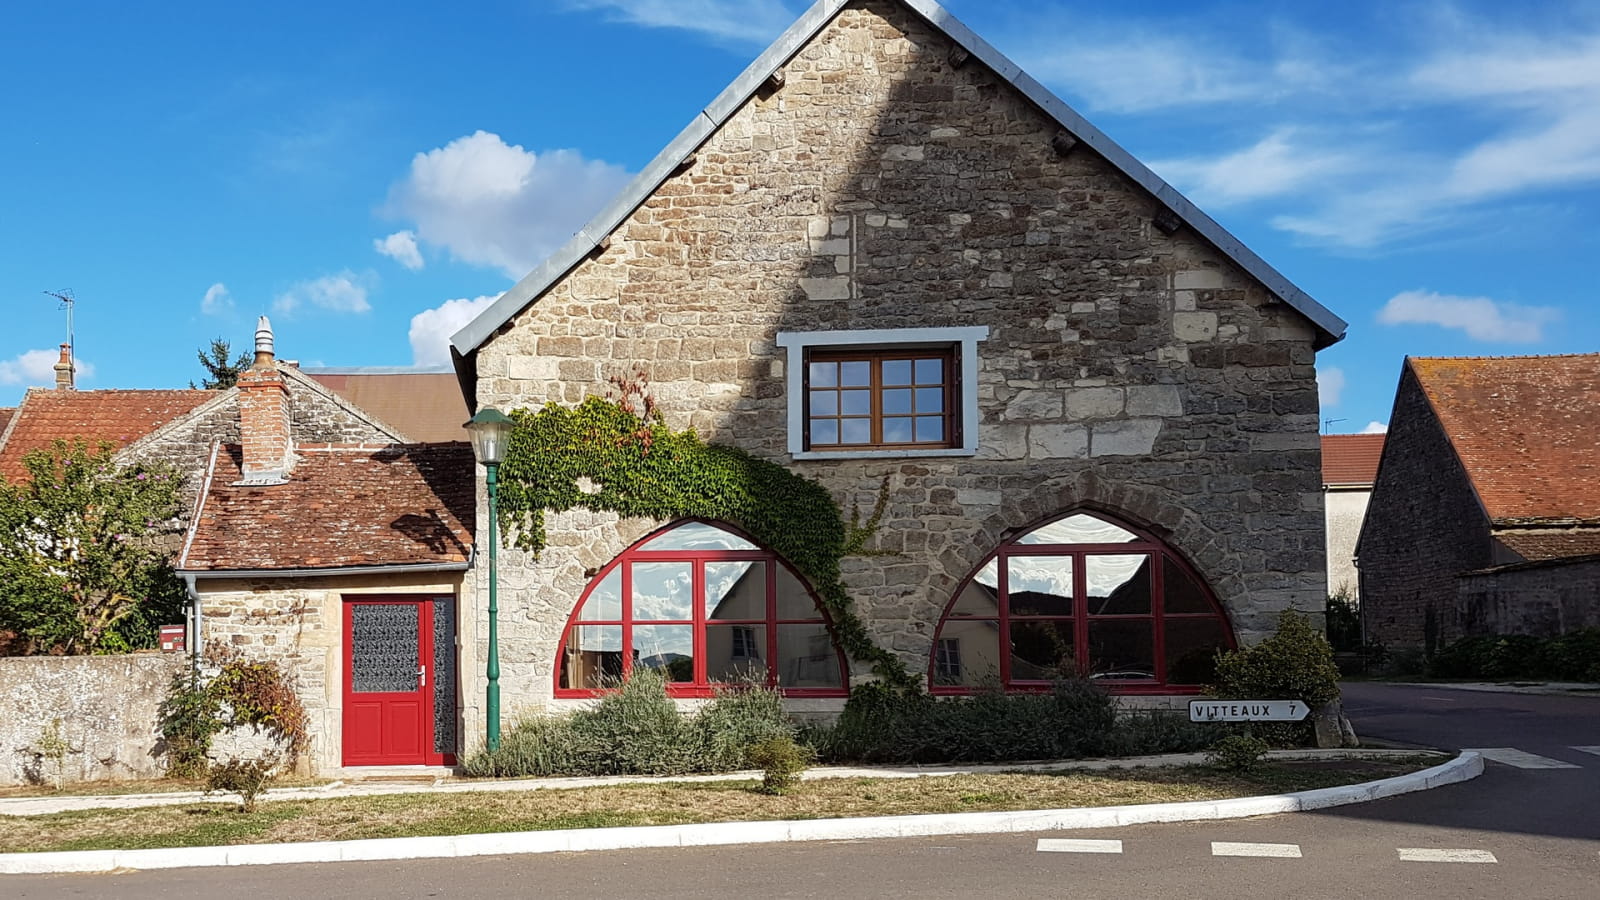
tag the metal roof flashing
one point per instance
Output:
(465, 342)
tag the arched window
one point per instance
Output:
(1080, 595)
(704, 606)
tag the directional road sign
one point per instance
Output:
(1247, 710)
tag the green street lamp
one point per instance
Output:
(491, 430)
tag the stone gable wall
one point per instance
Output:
(1543, 600)
(1423, 527)
(881, 188)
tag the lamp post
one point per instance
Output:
(490, 430)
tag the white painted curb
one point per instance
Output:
(1467, 766)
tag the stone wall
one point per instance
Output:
(299, 623)
(1423, 528)
(1345, 510)
(881, 188)
(1542, 599)
(106, 707)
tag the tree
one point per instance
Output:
(223, 373)
(86, 552)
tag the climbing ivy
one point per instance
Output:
(618, 455)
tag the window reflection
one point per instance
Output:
(1078, 529)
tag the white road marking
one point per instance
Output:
(1277, 851)
(1594, 750)
(1416, 854)
(1053, 845)
(1522, 759)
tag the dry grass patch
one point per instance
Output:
(145, 786)
(407, 815)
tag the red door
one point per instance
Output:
(390, 679)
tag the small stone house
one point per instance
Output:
(888, 260)
(1349, 467)
(1485, 517)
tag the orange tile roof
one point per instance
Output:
(424, 406)
(120, 417)
(1551, 543)
(1524, 428)
(5, 417)
(343, 505)
(1351, 458)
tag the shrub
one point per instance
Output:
(243, 692)
(1294, 663)
(781, 760)
(1342, 621)
(638, 730)
(247, 778)
(1148, 732)
(1237, 753)
(189, 717)
(1574, 656)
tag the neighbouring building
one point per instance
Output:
(1485, 517)
(425, 406)
(1349, 468)
(886, 255)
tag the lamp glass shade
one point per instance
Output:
(490, 430)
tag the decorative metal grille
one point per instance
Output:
(444, 675)
(383, 647)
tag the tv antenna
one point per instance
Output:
(1327, 424)
(67, 301)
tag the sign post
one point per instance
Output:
(1247, 710)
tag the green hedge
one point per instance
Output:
(1570, 657)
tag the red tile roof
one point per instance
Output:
(424, 406)
(343, 506)
(5, 417)
(1351, 458)
(120, 417)
(1551, 543)
(1524, 428)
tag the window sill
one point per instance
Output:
(884, 454)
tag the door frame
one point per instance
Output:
(425, 657)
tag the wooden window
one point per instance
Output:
(871, 399)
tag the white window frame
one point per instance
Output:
(964, 339)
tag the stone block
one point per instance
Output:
(1194, 326)
(826, 288)
(1058, 442)
(1128, 437)
(1155, 400)
(1095, 403)
(1035, 404)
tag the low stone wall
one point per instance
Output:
(106, 708)
(1540, 599)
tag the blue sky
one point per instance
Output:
(369, 175)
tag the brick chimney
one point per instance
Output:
(65, 369)
(264, 416)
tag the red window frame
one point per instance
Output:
(1145, 544)
(875, 357)
(701, 686)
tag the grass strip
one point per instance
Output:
(488, 811)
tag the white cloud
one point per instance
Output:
(345, 292)
(37, 368)
(1480, 317)
(431, 329)
(1375, 428)
(494, 204)
(1330, 386)
(734, 21)
(400, 247)
(217, 300)
(1278, 164)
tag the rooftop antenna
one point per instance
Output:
(67, 300)
(1327, 425)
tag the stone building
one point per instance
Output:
(886, 256)
(1485, 517)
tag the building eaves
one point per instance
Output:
(465, 343)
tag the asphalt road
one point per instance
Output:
(1541, 827)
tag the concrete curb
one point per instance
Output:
(1467, 766)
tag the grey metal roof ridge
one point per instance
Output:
(466, 341)
(369, 569)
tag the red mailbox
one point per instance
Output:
(172, 639)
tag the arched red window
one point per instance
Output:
(704, 606)
(1080, 595)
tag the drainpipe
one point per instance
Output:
(194, 621)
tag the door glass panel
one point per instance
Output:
(896, 372)
(930, 428)
(444, 675)
(930, 371)
(1118, 585)
(825, 431)
(384, 647)
(897, 431)
(604, 603)
(824, 374)
(1181, 593)
(592, 657)
(1192, 646)
(807, 658)
(663, 591)
(1042, 650)
(697, 536)
(1122, 650)
(930, 400)
(1078, 529)
(897, 403)
(736, 590)
(981, 596)
(855, 431)
(794, 601)
(967, 654)
(1039, 585)
(736, 653)
(855, 374)
(855, 403)
(668, 649)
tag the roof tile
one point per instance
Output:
(1350, 459)
(118, 416)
